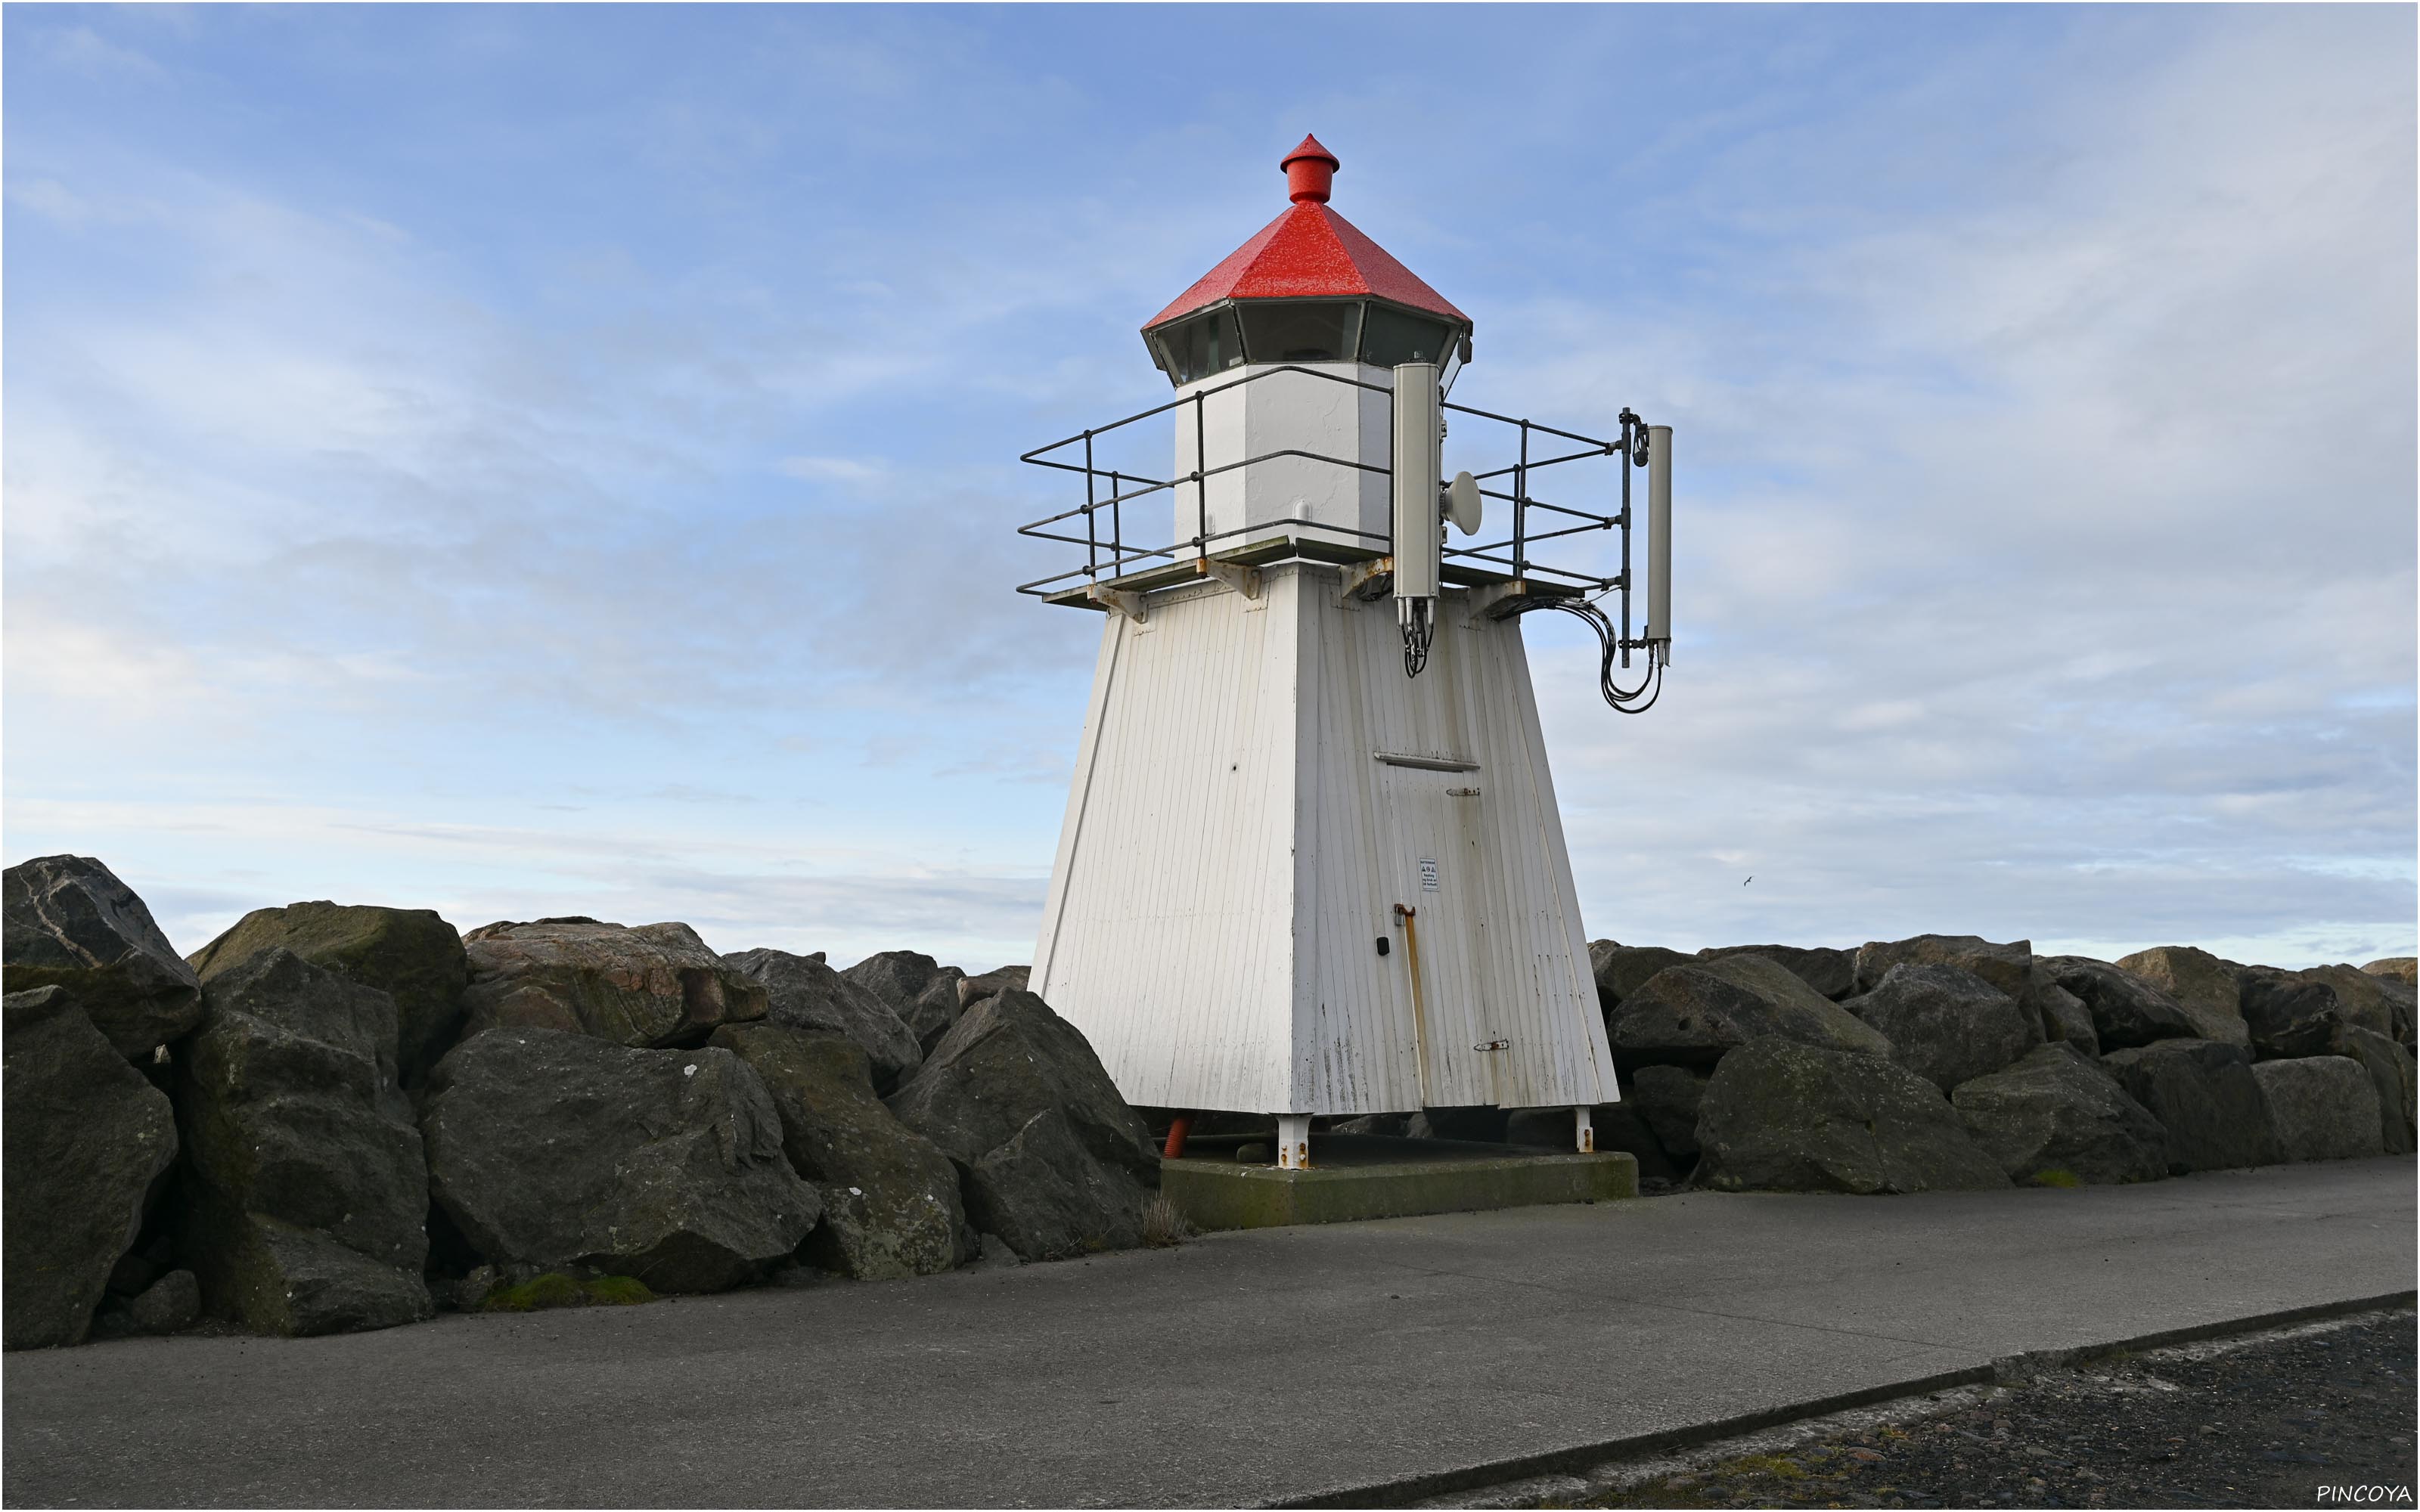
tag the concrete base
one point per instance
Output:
(1356, 1175)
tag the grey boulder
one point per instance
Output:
(1622, 1126)
(2126, 1010)
(1620, 969)
(924, 995)
(2064, 1017)
(891, 1200)
(2390, 1068)
(2402, 1007)
(1052, 1159)
(1669, 1097)
(973, 990)
(66, 922)
(89, 1142)
(307, 1198)
(2324, 1107)
(2003, 965)
(1947, 1025)
(169, 1305)
(646, 987)
(2204, 1094)
(2366, 1002)
(2297, 1013)
(1787, 1116)
(1833, 973)
(411, 954)
(2056, 1112)
(1693, 1014)
(808, 994)
(2206, 986)
(554, 1150)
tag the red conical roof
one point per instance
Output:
(1310, 252)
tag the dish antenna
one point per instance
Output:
(1462, 504)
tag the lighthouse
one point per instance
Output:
(1311, 862)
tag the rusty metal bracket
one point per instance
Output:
(1244, 580)
(1366, 580)
(1497, 600)
(1129, 605)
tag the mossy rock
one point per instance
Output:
(2055, 1176)
(411, 954)
(891, 1200)
(558, 1290)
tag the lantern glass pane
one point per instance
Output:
(1453, 368)
(1300, 330)
(1205, 345)
(1390, 336)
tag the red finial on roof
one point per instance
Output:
(1309, 168)
(1308, 253)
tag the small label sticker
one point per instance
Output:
(1428, 874)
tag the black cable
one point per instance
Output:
(1420, 630)
(1623, 700)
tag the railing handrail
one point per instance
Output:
(1111, 557)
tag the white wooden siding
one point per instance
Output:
(1233, 851)
(1167, 938)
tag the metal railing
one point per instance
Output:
(1107, 555)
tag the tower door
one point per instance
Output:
(1436, 866)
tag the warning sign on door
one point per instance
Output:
(1428, 874)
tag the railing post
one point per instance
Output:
(1117, 521)
(1201, 481)
(1092, 551)
(1521, 508)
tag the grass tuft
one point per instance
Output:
(2056, 1176)
(556, 1290)
(618, 1291)
(1773, 1465)
(1164, 1226)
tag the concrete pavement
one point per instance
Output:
(1350, 1361)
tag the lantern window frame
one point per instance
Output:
(1450, 360)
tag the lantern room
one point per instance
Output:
(1309, 292)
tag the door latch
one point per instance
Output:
(1494, 1044)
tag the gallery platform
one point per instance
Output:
(1354, 1177)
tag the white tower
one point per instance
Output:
(1293, 879)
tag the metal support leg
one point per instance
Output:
(1587, 1130)
(1294, 1141)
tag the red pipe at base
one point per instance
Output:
(1177, 1128)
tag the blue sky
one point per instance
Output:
(542, 461)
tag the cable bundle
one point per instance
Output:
(1623, 700)
(1418, 619)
